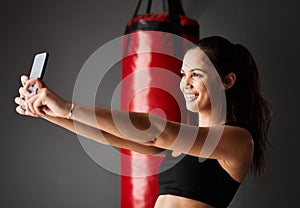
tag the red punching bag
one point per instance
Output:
(144, 74)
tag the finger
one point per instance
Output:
(24, 79)
(20, 110)
(32, 94)
(34, 105)
(27, 113)
(30, 104)
(25, 92)
(19, 101)
(38, 107)
(40, 84)
(23, 108)
(35, 81)
(35, 91)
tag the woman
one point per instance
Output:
(188, 182)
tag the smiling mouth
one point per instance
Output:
(189, 97)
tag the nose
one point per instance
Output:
(187, 84)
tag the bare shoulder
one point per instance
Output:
(237, 133)
(238, 141)
(238, 149)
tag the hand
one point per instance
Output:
(42, 102)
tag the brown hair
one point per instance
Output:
(245, 104)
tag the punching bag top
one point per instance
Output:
(174, 21)
(162, 22)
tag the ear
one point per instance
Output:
(229, 80)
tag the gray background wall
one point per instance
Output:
(43, 165)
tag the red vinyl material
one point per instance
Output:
(139, 185)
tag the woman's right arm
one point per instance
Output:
(93, 133)
(102, 136)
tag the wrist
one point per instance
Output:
(70, 108)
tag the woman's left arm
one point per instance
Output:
(233, 143)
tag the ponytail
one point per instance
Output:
(255, 114)
(245, 104)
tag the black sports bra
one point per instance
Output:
(204, 181)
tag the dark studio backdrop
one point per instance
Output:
(43, 165)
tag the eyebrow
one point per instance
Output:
(196, 69)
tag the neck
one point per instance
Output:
(204, 119)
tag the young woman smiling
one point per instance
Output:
(186, 182)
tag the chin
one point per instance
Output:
(192, 108)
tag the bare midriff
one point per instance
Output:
(171, 201)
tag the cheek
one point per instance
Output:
(181, 85)
(200, 87)
(203, 98)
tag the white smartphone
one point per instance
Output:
(38, 68)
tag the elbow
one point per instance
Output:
(161, 135)
(156, 142)
(168, 136)
(163, 141)
(248, 143)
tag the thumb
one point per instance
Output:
(24, 79)
(34, 81)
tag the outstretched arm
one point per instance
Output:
(235, 144)
(102, 136)
(80, 128)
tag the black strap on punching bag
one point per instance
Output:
(175, 9)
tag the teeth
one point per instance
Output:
(190, 96)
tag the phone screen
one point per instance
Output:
(38, 66)
(37, 69)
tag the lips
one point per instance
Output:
(189, 97)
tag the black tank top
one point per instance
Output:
(203, 181)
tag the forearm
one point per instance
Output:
(102, 136)
(145, 129)
(126, 125)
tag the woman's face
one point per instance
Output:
(194, 74)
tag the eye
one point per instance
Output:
(182, 74)
(197, 74)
